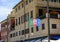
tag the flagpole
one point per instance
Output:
(48, 20)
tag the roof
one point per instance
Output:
(3, 20)
(17, 4)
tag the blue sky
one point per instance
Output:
(6, 7)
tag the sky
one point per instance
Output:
(6, 7)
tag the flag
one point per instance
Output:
(38, 22)
(30, 21)
(35, 22)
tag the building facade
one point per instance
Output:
(4, 36)
(26, 9)
(11, 24)
(19, 26)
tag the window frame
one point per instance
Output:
(54, 26)
(19, 20)
(37, 28)
(16, 22)
(31, 14)
(32, 30)
(43, 26)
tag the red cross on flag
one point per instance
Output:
(35, 22)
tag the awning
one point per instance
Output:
(55, 37)
(32, 41)
(38, 40)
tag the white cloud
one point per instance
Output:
(4, 11)
(6, 7)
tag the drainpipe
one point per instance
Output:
(48, 20)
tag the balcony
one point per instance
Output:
(42, 16)
(44, 4)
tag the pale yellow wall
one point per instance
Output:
(40, 33)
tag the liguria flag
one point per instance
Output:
(34, 22)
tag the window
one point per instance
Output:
(19, 33)
(22, 32)
(18, 7)
(29, 0)
(10, 35)
(43, 0)
(11, 29)
(54, 0)
(32, 0)
(19, 20)
(31, 14)
(22, 19)
(46, 0)
(59, 1)
(54, 26)
(16, 33)
(41, 14)
(53, 15)
(37, 29)
(28, 16)
(13, 34)
(43, 26)
(26, 2)
(12, 25)
(26, 31)
(16, 21)
(32, 30)
(22, 5)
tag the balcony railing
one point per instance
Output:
(51, 4)
(42, 16)
(54, 16)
